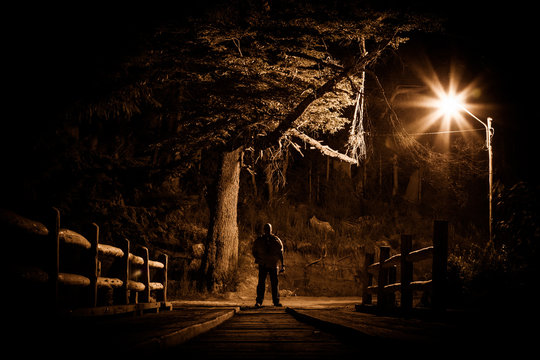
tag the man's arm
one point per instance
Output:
(255, 250)
(282, 269)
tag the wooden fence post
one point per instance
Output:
(54, 234)
(93, 267)
(145, 272)
(440, 259)
(163, 258)
(390, 297)
(367, 279)
(124, 275)
(382, 299)
(406, 274)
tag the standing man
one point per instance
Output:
(268, 252)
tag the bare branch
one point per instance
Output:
(315, 59)
(237, 44)
(286, 124)
(326, 150)
(323, 256)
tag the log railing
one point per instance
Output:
(69, 266)
(385, 271)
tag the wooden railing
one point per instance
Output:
(385, 271)
(67, 270)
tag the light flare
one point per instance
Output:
(450, 105)
(446, 104)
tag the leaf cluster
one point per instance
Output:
(243, 71)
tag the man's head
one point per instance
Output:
(267, 228)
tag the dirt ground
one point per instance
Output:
(307, 302)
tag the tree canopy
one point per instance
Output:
(250, 75)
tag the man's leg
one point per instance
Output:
(275, 285)
(261, 285)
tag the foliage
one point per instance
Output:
(518, 231)
(240, 72)
(504, 272)
(476, 274)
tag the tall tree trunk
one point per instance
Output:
(221, 256)
(269, 181)
(395, 186)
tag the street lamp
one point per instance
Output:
(451, 106)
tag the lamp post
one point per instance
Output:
(450, 104)
(489, 134)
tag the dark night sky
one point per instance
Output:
(49, 48)
(500, 38)
(493, 42)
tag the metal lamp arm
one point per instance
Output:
(490, 131)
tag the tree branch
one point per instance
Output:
(326, 150)
(314, 59)
(359, 64)
(286, 124)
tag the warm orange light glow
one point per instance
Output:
(447, 106)
(444, 101)
(450, 105)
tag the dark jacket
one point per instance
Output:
(268, 250)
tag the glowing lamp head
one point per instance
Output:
(445, 105)
(449, 105)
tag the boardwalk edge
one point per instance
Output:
(335, 328)
(180, 336)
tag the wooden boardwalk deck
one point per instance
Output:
(267, 333)
(305, 330)
(343, 333)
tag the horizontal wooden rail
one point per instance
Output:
(414, 286)
(73, 279)
(414, 256)
(33, 274)
(108, 250)
(136, 286)
(28, 226)
(156, 264)
(156, 286)
(420, 254)
(73, 238)
(110, 283)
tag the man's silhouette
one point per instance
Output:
(268, 253)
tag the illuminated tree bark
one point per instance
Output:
(221, 257)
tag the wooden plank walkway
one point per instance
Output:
(350, 323)
(267, 333)
(311, 331)
(108, 335)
